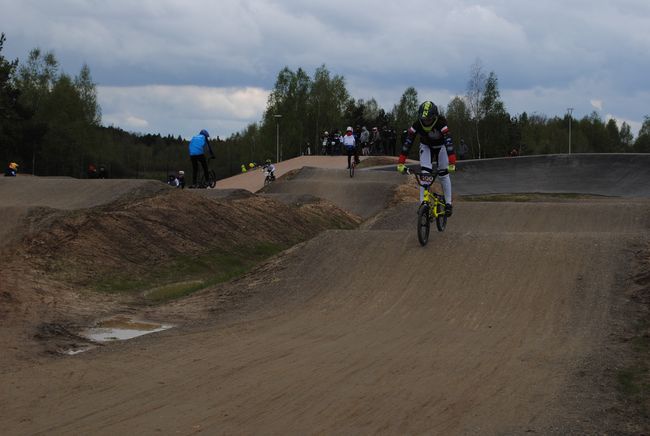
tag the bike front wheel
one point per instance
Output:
(424, 224)
(212, 181)
(441, 216)
(352, 165)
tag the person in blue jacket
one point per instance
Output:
(197, 154)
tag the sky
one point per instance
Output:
(178, 66)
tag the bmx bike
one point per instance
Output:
(353, 165)
(269, 176)
(268, 179)
(352, 156)
(431, 209)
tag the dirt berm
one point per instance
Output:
(513, 320)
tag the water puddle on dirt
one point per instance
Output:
(121, 328)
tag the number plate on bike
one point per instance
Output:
(427, 178)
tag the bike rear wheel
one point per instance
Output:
(424, 224)
(212, 176)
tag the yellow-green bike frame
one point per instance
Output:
(432, 208)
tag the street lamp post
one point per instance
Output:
(277, 137)
(570, 111)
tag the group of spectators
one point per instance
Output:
(97, 173)
(372, 142)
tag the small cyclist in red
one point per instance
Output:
(434, 140)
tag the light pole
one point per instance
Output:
(570, 110)
(277, 137)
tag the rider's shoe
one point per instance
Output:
(448, 210)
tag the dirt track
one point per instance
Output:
(367, 332)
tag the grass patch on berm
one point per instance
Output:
(633, 380)
(186, 274)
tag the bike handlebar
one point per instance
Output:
(419, 176)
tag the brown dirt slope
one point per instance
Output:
(127, 231)
(368, 193)
(366, 333)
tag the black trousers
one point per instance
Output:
(352, 152)
(195, 166)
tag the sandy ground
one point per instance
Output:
(254, 180)
(498, 326)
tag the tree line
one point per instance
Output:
(50, 123)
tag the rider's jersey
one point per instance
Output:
(197, 143)
(349, 141)
(435, 136)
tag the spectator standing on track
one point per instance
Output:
(364, 138)
(197, 154)
(375, 141)
(92, 171)
(336, 143)
(325, 142)
(181, 179)
(11, 170)
(463, 149)
(390, 142)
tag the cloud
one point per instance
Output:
(598, 104)
(182, 110)
(547, 55)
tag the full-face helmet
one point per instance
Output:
(428, 113)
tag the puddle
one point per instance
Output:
(74, 351)
(121, 328)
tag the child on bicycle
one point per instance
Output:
(350, 144)
(435, 140)
(269, 169)
(197, 154)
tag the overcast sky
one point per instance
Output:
(177, 66)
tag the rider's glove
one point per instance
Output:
(451, 168)
(400, 164)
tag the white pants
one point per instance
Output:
(443, 163)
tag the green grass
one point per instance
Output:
(184, 275)
(633, 381)
(630, 381)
